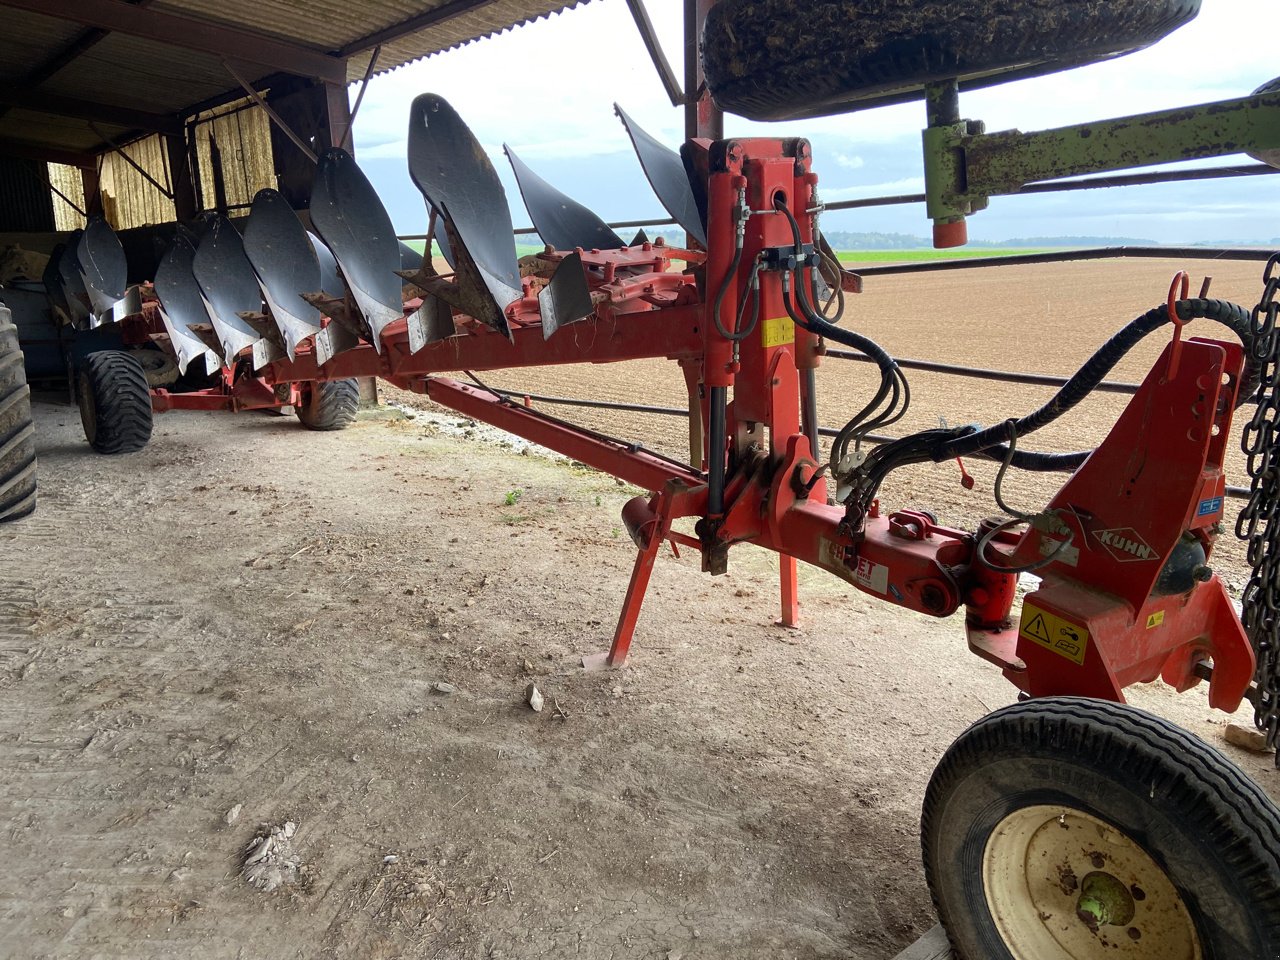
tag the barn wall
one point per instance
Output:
(68, 181)
(239, 138)
(25, 202)
(128, 198)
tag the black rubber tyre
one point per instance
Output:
(17, 432)
(160, 368)
(1269, 157)
(329, 405)
(1125, 778)
(779, 60)
(115, 402)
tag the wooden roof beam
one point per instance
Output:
(89, 110)
(38, 151)
(189, 33)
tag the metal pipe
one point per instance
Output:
(257, 98)
(117, 149)
(716, 446)
(364, 85)
(619, 225)
(809, 407)
(980, 373)
(1089, 253)
(656, 54)
(1234, 493)
(1084, 183)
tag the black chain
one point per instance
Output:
(1259, 521)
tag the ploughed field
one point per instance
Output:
(1038, 319)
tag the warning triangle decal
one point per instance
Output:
(1037, 629)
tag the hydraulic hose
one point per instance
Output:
(991, 441)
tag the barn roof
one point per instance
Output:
(78, 75)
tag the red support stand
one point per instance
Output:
(640, 573)
(790, 592)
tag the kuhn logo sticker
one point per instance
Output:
(1125, 545)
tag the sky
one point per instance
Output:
(548, 90)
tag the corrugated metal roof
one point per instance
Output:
(25, 37)
(133, 72)
(493, 18)
(331, 25)
(155, 77)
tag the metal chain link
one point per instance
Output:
(1259, 521)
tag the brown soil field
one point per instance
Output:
(1034, 319)
(249, 617)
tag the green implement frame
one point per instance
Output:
(964, 165)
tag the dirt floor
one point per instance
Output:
(248, 617)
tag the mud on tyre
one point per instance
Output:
(779, 60)
(17, 432)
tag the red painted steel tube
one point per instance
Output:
(672, 332)
(627, 461)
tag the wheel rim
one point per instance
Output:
(1063, 885)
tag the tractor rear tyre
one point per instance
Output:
(115, 402)
(778, 60)
(329, 405)
(17, 432)
(1073, 829)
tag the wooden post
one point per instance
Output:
(92, 193)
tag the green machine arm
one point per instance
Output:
(964, 165)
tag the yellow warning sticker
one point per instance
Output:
(1155, 620)
(778, 331)
(1063, 637)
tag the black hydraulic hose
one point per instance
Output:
(990, 442)
(849, 339)
(729, 276)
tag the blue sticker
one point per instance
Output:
(1209, 507)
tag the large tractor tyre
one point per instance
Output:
(779, 60)
(17, 432)
(1072, 829)
(115, 402)
(329, 405)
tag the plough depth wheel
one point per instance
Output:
(1071, 829)
(329, 405)
(115, 402)
(17, 434)
(776, 60)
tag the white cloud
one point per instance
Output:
(548, 89)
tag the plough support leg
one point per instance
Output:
(790, 592)
(640, 573)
